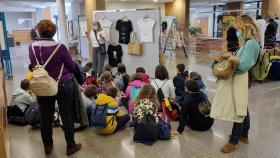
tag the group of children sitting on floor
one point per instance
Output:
(139, 94)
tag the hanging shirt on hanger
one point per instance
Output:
(115, 55)
(146, 26)
(124, 28)
(105, 24)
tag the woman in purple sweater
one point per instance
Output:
(43, 49)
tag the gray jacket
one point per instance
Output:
(22, 99)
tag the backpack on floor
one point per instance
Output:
(146, 130)
(32, 114)
(171, 108)
(164, 126)
(274, 72)
(98, 117)
(41, 83)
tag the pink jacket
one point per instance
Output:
(135, 83)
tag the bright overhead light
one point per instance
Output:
(155, 0)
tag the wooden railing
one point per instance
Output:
(4, 138)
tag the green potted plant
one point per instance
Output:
(194, 31)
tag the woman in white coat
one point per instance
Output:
(231, 99)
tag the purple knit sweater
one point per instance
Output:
(54, 66)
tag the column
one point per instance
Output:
(47, 13)
(180, 9)
(270, 8)
(62, 22)
(234, 6)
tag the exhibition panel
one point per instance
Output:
(132, 29)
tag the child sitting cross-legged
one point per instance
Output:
(114, 118)
(144, 116)
(21, 100)
(195, 111)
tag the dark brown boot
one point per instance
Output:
(74, 149)
(228, 148)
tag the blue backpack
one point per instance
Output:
(98, 117)
(134, 92)
(164, 126)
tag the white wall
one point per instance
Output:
(12, 20)
(134, 5)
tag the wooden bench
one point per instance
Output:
(4, 138)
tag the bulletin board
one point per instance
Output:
(150, 58)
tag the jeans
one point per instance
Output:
(98, 61)
(240, 130)
(65, 102)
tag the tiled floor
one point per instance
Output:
(264, 134)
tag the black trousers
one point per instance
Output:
(65, 102)
(14, 111)
(240, 130)
(121, 121)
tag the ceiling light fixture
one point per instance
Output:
(155, 0)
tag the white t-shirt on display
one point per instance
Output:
(105, 24)
(146, 29)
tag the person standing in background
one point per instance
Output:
(97, 38)
(61, 63)
(262, 26)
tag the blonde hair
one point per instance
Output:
(98, 25)
(147, 91)
(248, 27)
(106, 77)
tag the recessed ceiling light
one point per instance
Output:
(155, 0)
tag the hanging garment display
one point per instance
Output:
(115, 54)
(105, 24)
(124, 26)
(146, 26)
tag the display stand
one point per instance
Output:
(5, 52)
(150, 58)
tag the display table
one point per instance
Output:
(22, 36)
(206, 44)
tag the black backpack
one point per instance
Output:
(160, 94)
(32, 114)
(146, 130)
(79, 74)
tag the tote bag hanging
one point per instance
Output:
(134, 47)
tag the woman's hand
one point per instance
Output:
(103, 40)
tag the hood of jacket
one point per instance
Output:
(136, 83)
(105, 99)
(18, 92)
